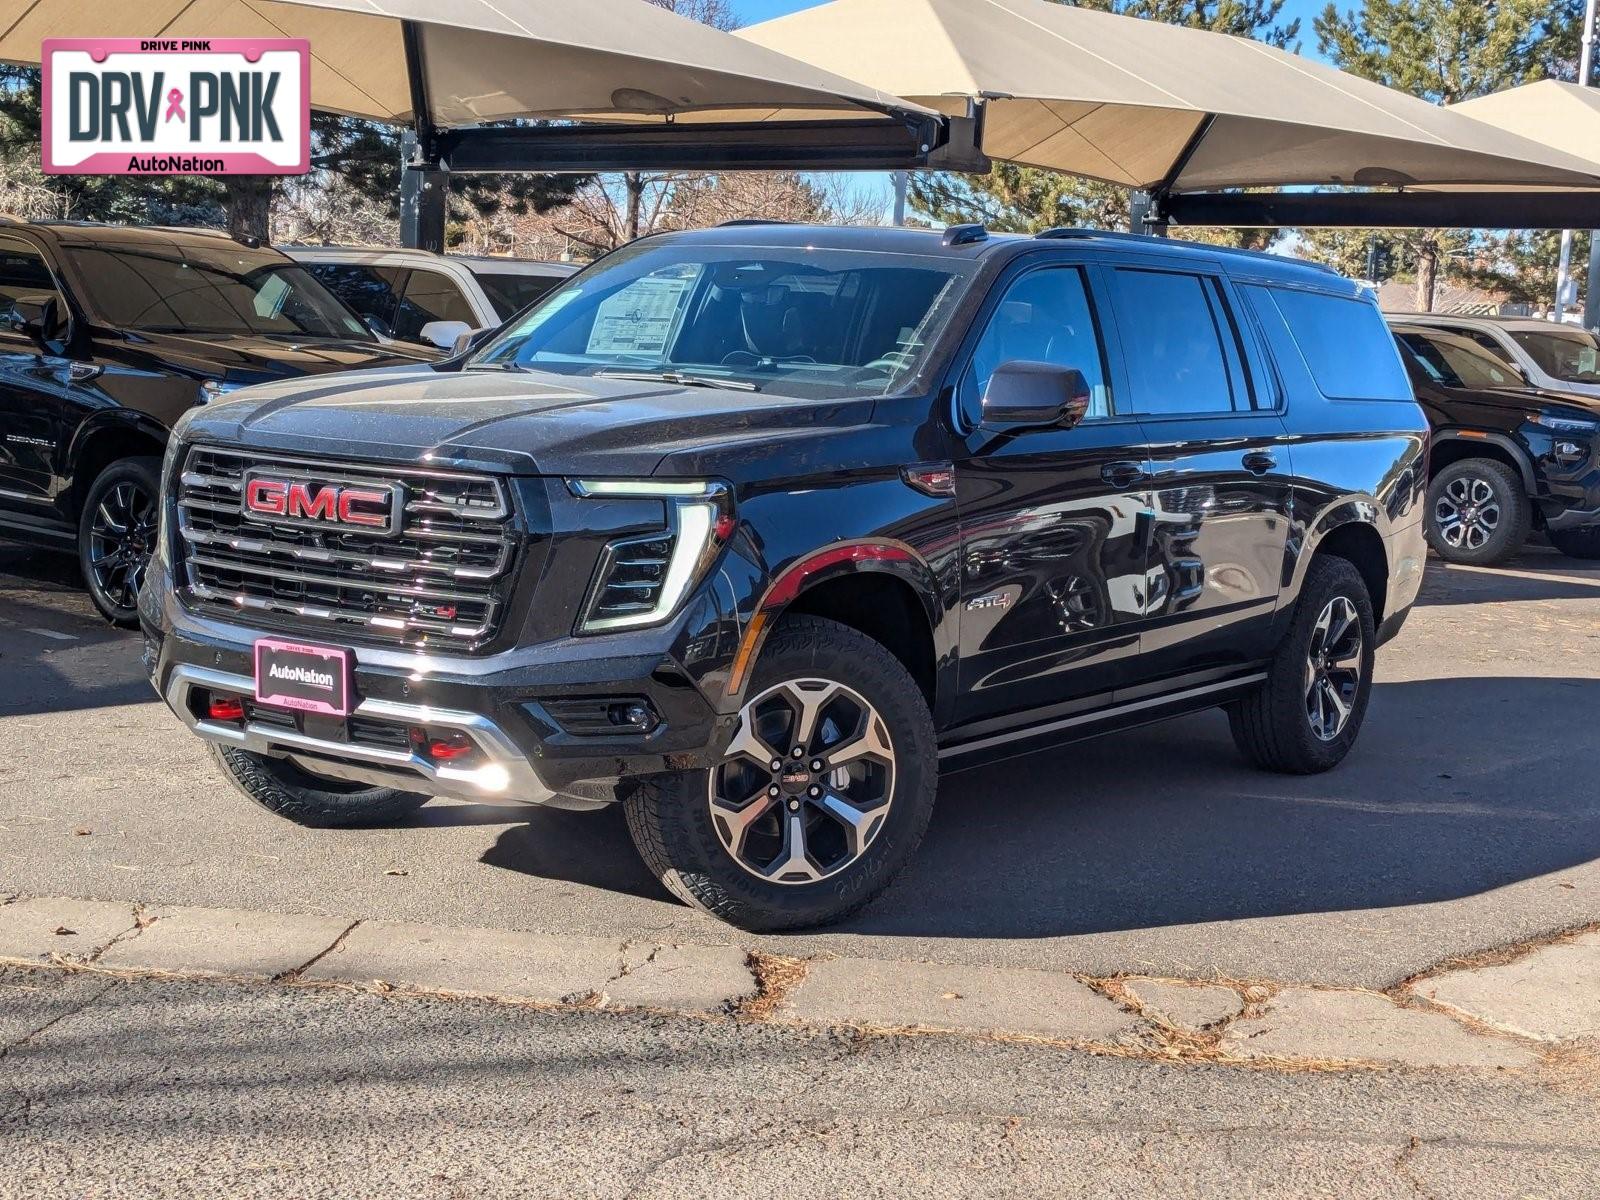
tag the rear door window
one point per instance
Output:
(1345, 343)
(1181, 345)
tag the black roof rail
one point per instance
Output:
(965, 235)
(1069, 232)
(752, 221)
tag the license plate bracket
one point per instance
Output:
(313, 679)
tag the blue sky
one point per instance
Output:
(877, 186)
(751, 11)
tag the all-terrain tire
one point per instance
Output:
(307, 799)
(1513, 511)
(1577, 543)
(1273, 726)
(670, 816)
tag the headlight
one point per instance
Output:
(1560, 424)
(642, 579)
(212, 389)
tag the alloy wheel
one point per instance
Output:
(1467, 512)
(806, 783)
(1333, 668)
(122, 535)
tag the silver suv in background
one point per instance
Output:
(1549, 356)
(419, 296)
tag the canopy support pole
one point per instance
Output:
(424, 181)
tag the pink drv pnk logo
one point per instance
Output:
(195, 106)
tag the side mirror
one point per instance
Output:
(472, 339)
(1034, 395)
(443, 334)
(37, 317)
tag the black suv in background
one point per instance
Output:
(754, 530)
(107, 336)
(1508, 456)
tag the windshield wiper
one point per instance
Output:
(494, 366)
(682, 380)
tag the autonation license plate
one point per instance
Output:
(310, 678)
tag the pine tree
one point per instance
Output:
(1445, 51)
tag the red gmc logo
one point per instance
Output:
(294, 502)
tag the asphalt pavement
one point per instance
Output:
(151, 1089)
(1467, 817)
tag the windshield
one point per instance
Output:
(510, 293)
(1458, 362)
(1570, 355)
(166, 287)
(801, 322)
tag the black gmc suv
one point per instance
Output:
(1508, 456)
(108, 335)
(754, 530)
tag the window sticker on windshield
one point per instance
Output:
(1588, 360)
(270, 299)
(640, 318)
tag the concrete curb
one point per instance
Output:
(1509, 1012)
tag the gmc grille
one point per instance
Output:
(442, 581)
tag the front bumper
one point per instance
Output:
(516, 709)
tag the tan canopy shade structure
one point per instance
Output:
(1562, 115)
(481, 60)
(1156, 106)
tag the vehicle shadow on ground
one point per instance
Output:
(1167, 826)
(1537, 574)
(56, 652)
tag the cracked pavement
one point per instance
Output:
(149, 1088)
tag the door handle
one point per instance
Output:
(83, 372)
(1259, 462)
(1124, 473)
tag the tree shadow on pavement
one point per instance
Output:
(1457, 786)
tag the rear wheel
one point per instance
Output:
(301, 795)
(1478, 512)
(1577, 543)
(1306, 716)
(116, 535)
(821, 798)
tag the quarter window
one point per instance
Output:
(1045, 317)
(1181, 344)
(1345, 344)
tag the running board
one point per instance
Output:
(1104, 715)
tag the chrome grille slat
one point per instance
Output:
(441, 581)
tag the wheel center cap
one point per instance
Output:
(795, 779)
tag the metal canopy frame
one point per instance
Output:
(1376, 210)
(898, 141)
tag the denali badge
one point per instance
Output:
(373, 508)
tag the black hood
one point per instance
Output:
(253, 358)
(526, 422)
(1533, 398)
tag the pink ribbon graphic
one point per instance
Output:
(175, 106)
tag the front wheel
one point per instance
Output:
(820, 799)
(1577, 543)
(1478, 512)
(305, 797)
(1305, 717)
(116, 535)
